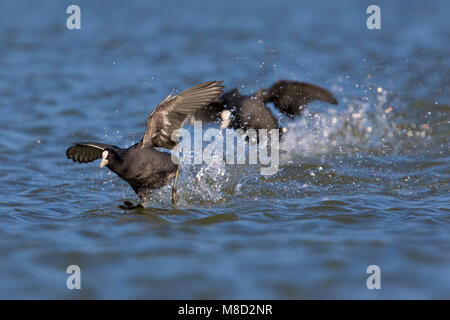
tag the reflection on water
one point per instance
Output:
(361, 183)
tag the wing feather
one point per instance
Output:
(85, 152)
(173, 110)
(291, 97)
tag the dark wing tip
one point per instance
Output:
(70, 152)
(334, 101)
(301, 89)
(324, 95)
(85, 152)
(74, 154)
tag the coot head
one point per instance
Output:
(110, 158)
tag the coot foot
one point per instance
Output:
(129, 206)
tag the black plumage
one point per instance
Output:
(141, 165)
(291, 97)
(251, 112)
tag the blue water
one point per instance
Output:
(362, 183)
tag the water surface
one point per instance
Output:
(361, 183)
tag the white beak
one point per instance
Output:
(225, 115)
(104, 160)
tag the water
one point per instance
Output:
(361, 183)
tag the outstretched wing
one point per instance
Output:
(85, 152)
(291, 97)
(173, 110)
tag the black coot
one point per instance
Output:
(239, 111)
(141, 165)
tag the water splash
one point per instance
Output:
(354, 127)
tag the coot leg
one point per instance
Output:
(174, 189)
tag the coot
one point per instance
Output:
(141, 165)
(239, 111)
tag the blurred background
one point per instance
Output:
(361, 183)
